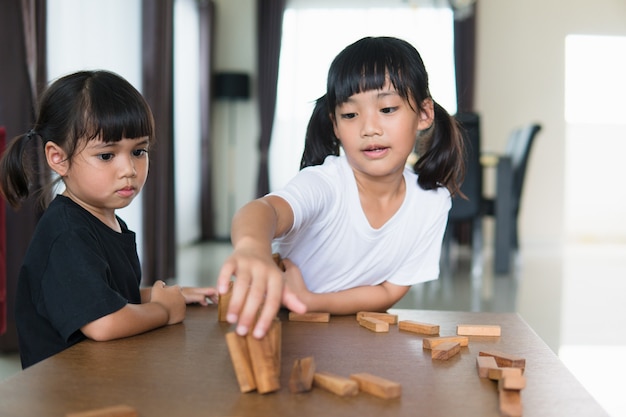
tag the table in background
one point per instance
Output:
(185, 370)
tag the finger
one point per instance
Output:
(237, 298)
(293, 303)
(224, 277)
(253, 302)
(271, 306)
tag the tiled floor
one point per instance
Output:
(572, 297)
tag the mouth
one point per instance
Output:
(375, 151)
(126, 191)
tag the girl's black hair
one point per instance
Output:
(76, 108)
(366, 65)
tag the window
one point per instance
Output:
(595, 140)
(315, 32)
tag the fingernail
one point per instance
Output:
(231, 318)
(242, 330)
(258, 333)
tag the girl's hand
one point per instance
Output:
(171, 298)
(259, 284)
(200, 295)
(295, 283)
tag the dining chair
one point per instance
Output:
(467, 211)
(511, 170)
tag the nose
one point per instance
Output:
(128, 167)
(370, 125)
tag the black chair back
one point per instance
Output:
(472, 186)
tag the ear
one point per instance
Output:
(426, 114)
(56, 158)
(332, 119)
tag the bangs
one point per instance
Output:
(369, 64)
(112, 111)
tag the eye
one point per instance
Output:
(348, 116)
(140, 152)
(105, 156)
(388, 110)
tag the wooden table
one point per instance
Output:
(185, 370)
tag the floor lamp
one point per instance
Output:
(230, 87)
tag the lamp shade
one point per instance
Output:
(232, 85)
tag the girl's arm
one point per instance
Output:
(258, 280)
(199, 295)
(365, 298)
(166, 306)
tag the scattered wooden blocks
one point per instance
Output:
(240, 357)
(222, 303)
(478, 330)
(114, 411)
(377, 386)
(386, 317)
(302, 374)
(338, 385)
(265, 366)
(505, 359)
(374, 325)
(512, 382)
(417, 327)
(510, 402)
(431, 342)
(256, 361)
(483, 364)
(310, 317)
(445, 351)
(499, 373)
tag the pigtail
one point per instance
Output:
(443, 162)
(16, 169)
(320, 140)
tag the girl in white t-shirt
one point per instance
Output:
(355, 230)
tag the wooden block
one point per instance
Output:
(513, 382)
(417, 327)
(377, 386)
(445, 351)
(240, 357)
(505, 359)
(497, 374)
(478, 330)
(301, 379)
(222, 303)
(263, 359)
(310, 317)
(431, 342)
(336, 384)
(483, 364)
(510, 402)
(279, 261)
(374, 325)
(114, 411)
(386, 317)
(276, 334)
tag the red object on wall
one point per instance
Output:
(3, 252)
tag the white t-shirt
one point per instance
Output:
(336, 248)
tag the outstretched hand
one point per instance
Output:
(200, 295)
(259, 284)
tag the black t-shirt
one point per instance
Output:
(75, 271)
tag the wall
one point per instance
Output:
(521, 66)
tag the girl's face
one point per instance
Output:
(103, 177)
(378, 129)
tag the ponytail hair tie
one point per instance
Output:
(31, 134)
